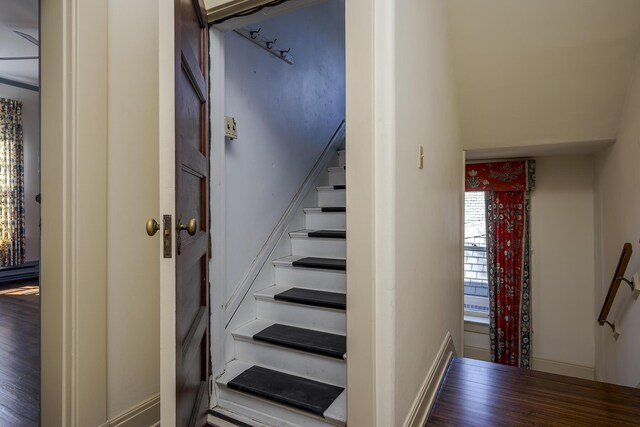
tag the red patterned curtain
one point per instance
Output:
(508, 186)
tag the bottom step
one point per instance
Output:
(301, 395)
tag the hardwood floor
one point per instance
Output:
(19, 354)
(476, 393)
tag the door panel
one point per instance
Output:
(192, 201)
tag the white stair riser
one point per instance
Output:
(303, 316)
(332, 198)
(319, 247)
(325, 221)
(324, 280)
(267, 412)
(337, 177)
(312, 366)
(341, 158)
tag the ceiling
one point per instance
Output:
(19, 15)
(542, 72)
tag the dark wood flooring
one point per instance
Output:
(19, 354)
(476, 393)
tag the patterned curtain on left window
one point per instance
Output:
(12, 233)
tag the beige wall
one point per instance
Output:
(618, 221)
(133, 347)
(562, 242)
(427, 203)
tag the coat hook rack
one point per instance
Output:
(283, 53)
(255, 33)
(271, 44)
(267, 43)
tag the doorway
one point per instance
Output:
(278, 196)
(19, 213)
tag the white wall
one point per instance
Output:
(617, 222)
(542, 72)
(31, 140)
(133, 347)
(286, 114)
(427, 204)
(562, 243)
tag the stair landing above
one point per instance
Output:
(487, 394)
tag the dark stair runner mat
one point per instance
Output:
(316, 342)
(334, 209)
(314, 297)
(324, 263)
(301, 393)
(331, 234)
(340, 187)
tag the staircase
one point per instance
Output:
(290, 362)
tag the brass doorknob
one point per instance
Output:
(191, 227)
(152, 227)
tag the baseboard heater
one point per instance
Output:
(28, 270)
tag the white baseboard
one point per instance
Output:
(477, 353)
(144, 414)
(428, 391)
(561, 368)
(540, 364)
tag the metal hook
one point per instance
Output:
(255, 33)
(283, 53)
(270, 44)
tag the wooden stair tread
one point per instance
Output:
(308, 340)
(314, 297)
(322, 263)
(329, 234)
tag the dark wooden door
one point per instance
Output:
(192, 203)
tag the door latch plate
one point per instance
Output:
(167, 232)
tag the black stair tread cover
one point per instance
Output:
(332, 234)
(308, 340)
(340, 187)
(314, 297)
(325, 263)
(334, 209)
(301, 393)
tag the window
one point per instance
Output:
(476, 285)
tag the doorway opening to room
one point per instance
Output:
(278, 215)
(19, 213)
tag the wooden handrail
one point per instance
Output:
(618, 277)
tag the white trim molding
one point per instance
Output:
(74, 208)
(144, 414)
(562, 368)
(540, 364)
(429, 390)
(223, 9)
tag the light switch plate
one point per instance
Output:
(230, 128)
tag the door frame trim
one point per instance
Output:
(167, 166)
(74, 212)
